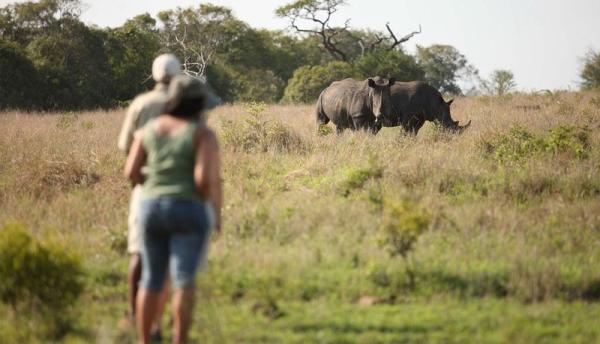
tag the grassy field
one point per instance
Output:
(504, 222)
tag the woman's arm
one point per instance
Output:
(207, 171)
(136, 160)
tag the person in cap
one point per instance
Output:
(143, 108)
(181, 201)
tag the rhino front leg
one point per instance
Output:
(413, 126)
(369, 125)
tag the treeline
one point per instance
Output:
(49, 59)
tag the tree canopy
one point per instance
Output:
(52, 60)
(444, 66)
(501, 82)
(591, 71)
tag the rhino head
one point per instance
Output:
(445, 119)
(381, 100)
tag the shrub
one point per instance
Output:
(403, 223)
(255, 134)
(568, 139)
(356, 177)
(66, 120)
(308, 81)
(324, 130)
(32, 272)
(38, 280)
(519, 143)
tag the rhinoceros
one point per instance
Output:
(356, 105)
(415, 102)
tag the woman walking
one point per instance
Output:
(181, 194)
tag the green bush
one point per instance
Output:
(519, 143)
(568, 139)
(66, 120)
(308, 81)
(356, 177)
(402, 225)
(36, 275)
(256, 134)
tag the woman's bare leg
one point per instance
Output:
(133, 279)
(160, 307)
(182, 305)
(147, 302)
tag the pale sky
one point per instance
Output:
(540, 41)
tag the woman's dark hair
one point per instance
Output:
(188, 107)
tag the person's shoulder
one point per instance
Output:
(138, 102)
(149, 98)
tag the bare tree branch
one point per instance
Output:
(318, 12)
(397, 41)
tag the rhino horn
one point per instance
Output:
(463, 127)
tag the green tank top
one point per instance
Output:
(170, 163)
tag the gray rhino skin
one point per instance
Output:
(415, 102)
(356, 105)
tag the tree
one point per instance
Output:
(69, 58)
(259, 85)
(501, 82)
(21, 22)
(389, 63)
(591, 71)
(130, 50)
(313, 17)
(20, 84)
(444, 66)
(282, 54)
(72, 62)
(237, 84)
(195, 35)
(309, 81)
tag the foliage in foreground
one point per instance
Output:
(38, 279)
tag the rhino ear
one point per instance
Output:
(450, 102)
(371, 83)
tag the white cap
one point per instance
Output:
(165, 67)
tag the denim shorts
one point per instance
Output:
(175, 234)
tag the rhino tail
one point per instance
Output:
(322, 119)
